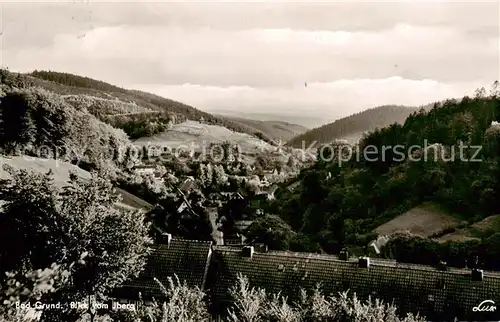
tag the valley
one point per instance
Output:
(223, 155)
(266, 161)
(231, 181)
(277, 130)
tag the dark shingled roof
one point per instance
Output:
(436, 294)
(189, 259)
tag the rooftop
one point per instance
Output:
(187, 258)
(434, 293)
(145, 166)
(413, 288)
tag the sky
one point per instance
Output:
(255, 58)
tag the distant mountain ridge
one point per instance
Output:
(276, 130)
(308, 121)
(356, 124)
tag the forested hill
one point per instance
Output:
(457, 166)
(355, 124)
(69, 84)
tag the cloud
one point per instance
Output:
(237, 15)
(270, 57)
(257, 56)
(328, 100)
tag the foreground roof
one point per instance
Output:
(188, 259)
(436, 294)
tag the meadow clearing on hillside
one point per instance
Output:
(192, 134)
(481, 229)
(425, 220)
(275, 130)
(61, 171)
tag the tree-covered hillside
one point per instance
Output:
(339, 203)
(361, 122)
(40, 123)
(69, 84)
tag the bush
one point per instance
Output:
(252, 305)
(43, 224)
(183, 304)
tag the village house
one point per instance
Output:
(236, 237)
(217, 234)
(291, 187)
(270, 191)
(188, 259)
(270, 173)
(256, 203)
(144, 169)
(435, 293)
(377, 244)
(149, 169)
(226, 195)
(183, 206)
(236, 240)
(188, 184)
(241, 226)
(153, 151)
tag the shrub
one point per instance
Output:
(183, 304)
(253, 305)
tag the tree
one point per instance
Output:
(41, 224)
(33, 119)
(18, 129)
(292, 163)
(272, 231)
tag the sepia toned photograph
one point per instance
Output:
(249, 161)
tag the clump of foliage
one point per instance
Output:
(272, 231)
(263, 137)
(474, 253)
(39, 123)
(249, 304)
(76, 81)
(101, 107)
(183, 304)
(41, 225)
(253, 305)
(145, 124)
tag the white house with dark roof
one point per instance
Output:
(217, 234)
(145, 169)
(242, 225)
(270, 191)
(378, 243)
(148, 169)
